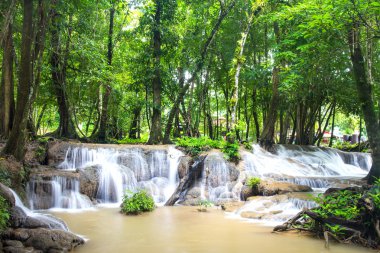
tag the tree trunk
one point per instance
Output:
(133, 130)
(267, 136)
(366, 99)
(235, 92)
(58, 72)
(16, 143)
(155, 136)
(102, 134)
(7, 103)
(332, 128)
(199, 66)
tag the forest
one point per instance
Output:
(115, 71)
(242, 107)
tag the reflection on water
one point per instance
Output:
(184, 229)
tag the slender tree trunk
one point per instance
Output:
(16, 143)
(255, 114)
(133, 130)
(155, 136)
(332, 128)
(235, 90)
(366, 99)
(199, 66)
(102, 134)
(7, 103)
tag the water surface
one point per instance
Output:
(184, 229)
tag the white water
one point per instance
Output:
(51, 221)
(310, 166)
(127, 169)
(59, 193)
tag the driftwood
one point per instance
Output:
(363, 230)
(193, 174)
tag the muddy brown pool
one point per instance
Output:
(184, 229)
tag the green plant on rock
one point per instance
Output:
(231, 151)
(4, 213)
(253, 182)
(203, 205)
(136, 203)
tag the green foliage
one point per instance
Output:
(195, 146)
(5, 177)
(136, 203)
(231, 152)
(247, 145)
(203, 205)
(253, 182)
(4, 213)
(132, 141)
(343, 204)
(40, 152)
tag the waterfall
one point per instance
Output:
(57, 192)
(312, 166)
(49, 220)
(218, 179)
(123, 169)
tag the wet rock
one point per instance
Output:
(252, 215)
(44, 239)
(57, 152)
(246, 192)
(7, 194)
(184, 166)
(231, 206)
(89, 181)
(192, 197)
(270, 187)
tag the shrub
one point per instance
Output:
(343, 204)
(136, 203)
(203, 205)
(231, 151)
(194, 146)
(253, 182)
(4, 213)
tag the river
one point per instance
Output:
(184, 229)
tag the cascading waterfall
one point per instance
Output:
(51, 221)
(310, 166)
(124, 169)
(218, 178)
(318, 168)
(59, 192)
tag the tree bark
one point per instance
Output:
(102, 133)
(366, 99)
(155, 136)
(16, 143)
(7, 103)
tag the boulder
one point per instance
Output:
(252, 215)
(271, 187)
(232, 206)
(184, 166)
(89, 182)
(56, 152)
(45, 240)
(7, 194)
